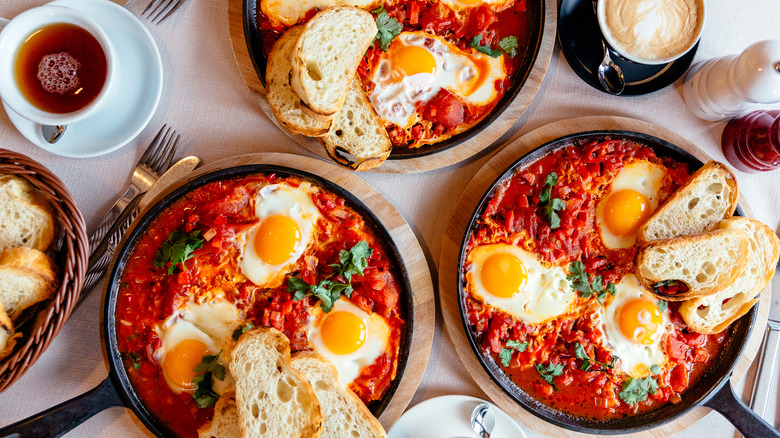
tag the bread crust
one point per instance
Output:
(34, 267)
(7, 335)
(27, 202)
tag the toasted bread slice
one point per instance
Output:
(707, 198)
(358, 138)
(289, 13)
(224, 423)
(7, 336)
(273, 399)
(327, 55)
(712, 314)
(26, 277)
(290, 111)
(345, 413)
(25, 215)
(707, 263)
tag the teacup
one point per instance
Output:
(57, 66)
(651, 31)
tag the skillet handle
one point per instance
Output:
(742, 417)
(59, 420)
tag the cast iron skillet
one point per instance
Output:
(116, 390)
(712, 390)
(536, 7)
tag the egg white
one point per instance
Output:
(546, 295)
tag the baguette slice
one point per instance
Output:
(712, 314)
(707, 263)
(273, 399)
(707, 198)
(290, 111)
(25, 215)
(7, 336)
(358, 138)
(345, 413)
(327, 55)
(224, 423)
(26, 277)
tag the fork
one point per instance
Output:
(160, 10)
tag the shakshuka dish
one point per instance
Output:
(436, 68)
(259, 250)
(550, 292)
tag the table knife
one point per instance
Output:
(101, 256)
(767, 367)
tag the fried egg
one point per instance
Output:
(630, 200)
(635, 328)
(191, 332)
(349, 337)
(287, 217)
(516, 282)
(290, 12)
(417, 66)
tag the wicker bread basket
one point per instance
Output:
(46, 320)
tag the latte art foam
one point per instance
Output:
(652, 30)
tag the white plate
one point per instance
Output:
(131, 103)
(449, 416)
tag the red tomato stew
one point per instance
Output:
(549, 290)
(247, 252)
(436, 68)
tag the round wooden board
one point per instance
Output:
(404, 239)
(448, 263)
(455, 154)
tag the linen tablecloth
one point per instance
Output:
(205, 99)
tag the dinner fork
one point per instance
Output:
(160, 10)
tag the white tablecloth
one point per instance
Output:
(205, 98)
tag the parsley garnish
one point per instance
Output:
(351, 262)
(636, 390)
(662, 305)
(580, 281)
(241, 330)
(387, 28)
(177, 249)
(207, 369)
(655, 368)
(476, 43)
(549, 372)
(511, 346)
(509, 45)
(587, 362)
(553, 205)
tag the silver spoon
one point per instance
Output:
(52, 134)
(483, 420)
(610, 75)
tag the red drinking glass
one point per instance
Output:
(751, 143)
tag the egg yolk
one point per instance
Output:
(503, 275)
(640, 320)
(625, 211)
(181, 360)
(413, 60)
(343, 332)
(277, 239)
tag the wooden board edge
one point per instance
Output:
(455, 230)
(483, 141)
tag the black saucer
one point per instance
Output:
(580, 40)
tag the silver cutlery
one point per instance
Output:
(610, 75)
(767, 369)
(483, 420)
(53, 133)
(159, 10)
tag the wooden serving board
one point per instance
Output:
(404, 239)
(474, 145)
(448, 264)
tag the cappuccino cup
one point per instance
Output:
(651, 31)
(57, 65)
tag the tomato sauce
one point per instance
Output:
(512, 215)
(220, 210)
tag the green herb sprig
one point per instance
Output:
(551, 205)
(476, 43)
(387, 28)
(177, 249)
(581, 282)
(509, 45)
(241, 330)
(511, 345)
(587, 362)
(637, 390)
(549, 372)
(207, 370)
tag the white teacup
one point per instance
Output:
(12, 36)
(651, 31)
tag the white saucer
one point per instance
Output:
(448, 416)
(131, 103)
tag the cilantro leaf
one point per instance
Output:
(662, 305)
(517, 345)
(241, 330)
(511, 346)
(552, 205)
(355, 260)
(177, 249)
(207, 370)
(509, 45)
(587, 362)
(476, 43)
(549, 372)
(636, 390)
(505, 356)
(387, 28)
(580, 281)
(655, 369)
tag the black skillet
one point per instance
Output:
(712, 390)
(254, 43)
(117, 390)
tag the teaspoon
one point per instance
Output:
(52, 134)
(483, 420)
(610, 75)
